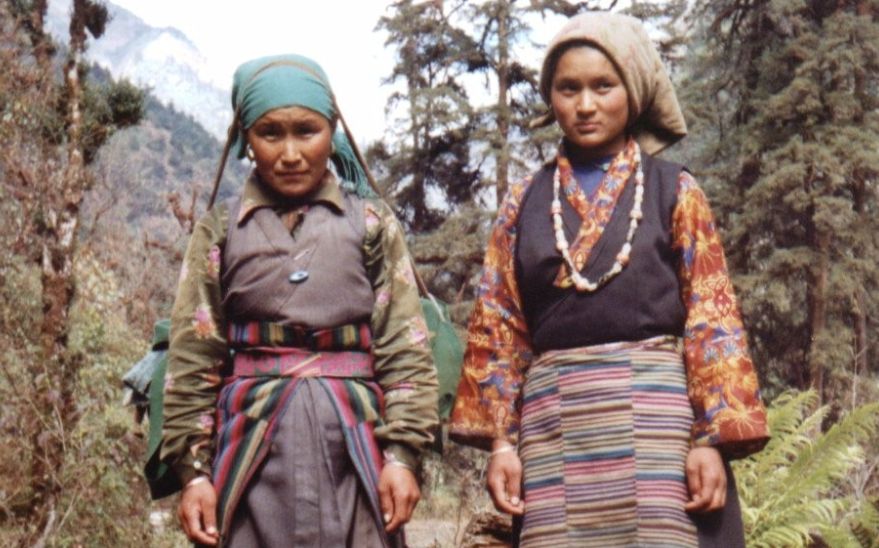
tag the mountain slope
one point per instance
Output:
(161, 59)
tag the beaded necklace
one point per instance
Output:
(582, 283)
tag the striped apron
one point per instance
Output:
(261, 386)
(604, 439)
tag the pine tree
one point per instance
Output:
(789, 111)
(500, 26)
(426, 170)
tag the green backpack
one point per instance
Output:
(145, 384)
(446, 349)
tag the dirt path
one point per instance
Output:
(430, 533)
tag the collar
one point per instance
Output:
(605, 163)
(255, 196)
(618, 172)
(599, 164)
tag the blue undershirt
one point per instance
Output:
(589, 175)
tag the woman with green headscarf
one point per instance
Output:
(300, 391)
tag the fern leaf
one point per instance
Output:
(794, 491)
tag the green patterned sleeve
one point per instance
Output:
(403, 363)
(197, 352)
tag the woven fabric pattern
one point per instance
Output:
(346, 337)
(248, 413)
(605, 435)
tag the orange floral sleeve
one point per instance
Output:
(498, 346)
(722, 382)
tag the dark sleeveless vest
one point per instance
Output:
(261, 255)
(643, 301)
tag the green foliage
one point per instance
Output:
(795, 490)
(104, 501)
(108, 500)
(70, 472)
(126, 102)
(95, 17)
(450, 258)
(108, 108)
(782, 95)
(427, 169)
(864, 526)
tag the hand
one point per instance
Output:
(706, 479)
(504, 480)
(398, 494)
(198, 513)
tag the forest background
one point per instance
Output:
(100, 184)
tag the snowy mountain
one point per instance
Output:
(162, 59)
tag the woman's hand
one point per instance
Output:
(198, 512)
(398, 494)
(706, 479)
(504, 478)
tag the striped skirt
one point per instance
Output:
(604, 438)
(255, 398)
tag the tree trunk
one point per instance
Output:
(43, 49)
(55, 377)
(865, 8)
(419, 144)
(503, 103)
(859, 318)
(859, 195)
(817, 295)
(859, 310)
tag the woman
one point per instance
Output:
(604, 303)
(328, 397)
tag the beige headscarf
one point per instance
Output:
(658, 122)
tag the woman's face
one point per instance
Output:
(291, 146)
(590, 102)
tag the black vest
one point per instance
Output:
(642, 301)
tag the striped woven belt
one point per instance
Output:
(355, 336)
(600, 352)
(267, 349)
(298, 362)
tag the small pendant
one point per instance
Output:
(298, 277)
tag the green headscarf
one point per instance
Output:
(279, 81)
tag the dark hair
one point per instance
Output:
(552, 62)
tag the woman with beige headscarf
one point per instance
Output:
(607, 368)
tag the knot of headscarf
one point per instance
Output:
(655, 118)
(279, 81)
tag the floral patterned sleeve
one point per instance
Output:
(498, 345)
(403, 363)
(197, 352)
(722, 382)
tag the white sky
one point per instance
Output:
(338, 34)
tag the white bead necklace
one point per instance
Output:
(580, 282)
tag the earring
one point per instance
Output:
(332, 148)
(249, 153)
